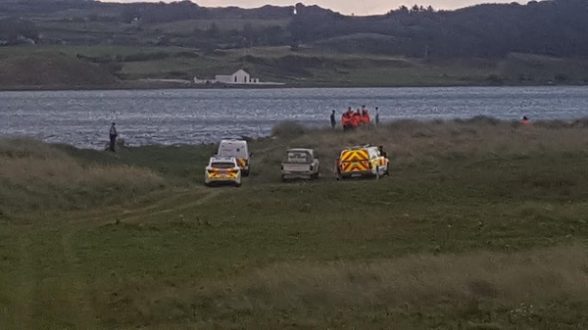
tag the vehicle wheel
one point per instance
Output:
(238, 185)
(246, 173)
(314, 176)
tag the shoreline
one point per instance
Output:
(555, 124)
(164, 86)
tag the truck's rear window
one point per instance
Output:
(222, 165)
(298, 157)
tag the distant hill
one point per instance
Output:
(551, 27)
(85, 43)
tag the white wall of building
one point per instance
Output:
(240, 77)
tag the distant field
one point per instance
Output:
(51, 69)
(308, 66)
(101, 50)
(187, 26)
(481, 225)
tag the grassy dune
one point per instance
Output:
(482, 225)
(35, 176)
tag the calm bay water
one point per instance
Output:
(82, 118)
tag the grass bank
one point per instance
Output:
(38, 177)
(482, 225)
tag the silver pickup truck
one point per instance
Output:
(300, 164)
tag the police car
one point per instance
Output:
(222, 170)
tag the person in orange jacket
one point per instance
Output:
(346, 119)
(365, 117)
(356, 121)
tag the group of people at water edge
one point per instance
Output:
(353, 119)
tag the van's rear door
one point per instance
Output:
(354, 161)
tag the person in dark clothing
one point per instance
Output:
(382, 152)
(113, 135)
(377, 116)
(333, 121)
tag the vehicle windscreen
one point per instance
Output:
(298, 157)
(222, 165)
(232, 150)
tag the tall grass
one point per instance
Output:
(508, 279)
(288, 129)
(458, 287)
(410, 141)
(34, 175)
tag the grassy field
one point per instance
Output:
(481, 225)
(188, 26)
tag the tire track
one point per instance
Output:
(79, 298)
(24, 290)
(135, 218)
(117, 211)
(85, 316)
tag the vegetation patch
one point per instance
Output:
(492, 289)
(481, 225)
(38, 177)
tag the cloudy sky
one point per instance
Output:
(358, 7)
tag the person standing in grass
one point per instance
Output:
(377, 119)
(113, 135)
(333, 121)
(525, 121)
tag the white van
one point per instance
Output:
(237, 149)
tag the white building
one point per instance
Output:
(241, 77)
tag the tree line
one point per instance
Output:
(553, 27)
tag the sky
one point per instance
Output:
(357, 7)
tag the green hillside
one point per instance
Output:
(147, 44)
(51, 70)
(115, 66)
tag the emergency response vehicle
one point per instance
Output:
(362, 161)
(237, 149)
(300, 164)
(222, 170)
